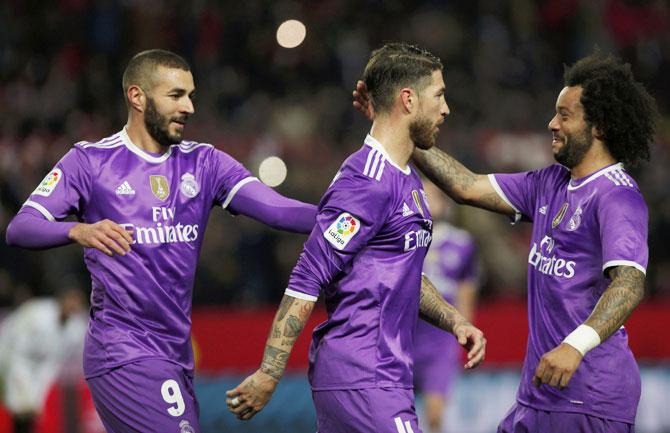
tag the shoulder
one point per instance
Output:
(194, 146)
(101, 146)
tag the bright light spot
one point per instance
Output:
(272, 171)
(291, 33)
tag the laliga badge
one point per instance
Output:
(49, 183)
(342, 230)
(189, 187)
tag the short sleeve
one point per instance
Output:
(623, 218)
(351, 213)
(227, 177)
(65, 188)
(517, 190)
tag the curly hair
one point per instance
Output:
(618, 106)
(394, 66)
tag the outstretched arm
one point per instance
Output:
(617, 302)
(260, 202)
(29, 229)
(249, 397)
(434, 309)
(461, 184)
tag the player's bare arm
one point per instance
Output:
(249, 397)
(617, 302)
(105, 235)
(624, 293)
(460, 183)
(434, 309)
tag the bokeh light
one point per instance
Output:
(291, 33)
(272, 171)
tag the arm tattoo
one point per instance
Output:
(274, 361)
(618, 301)
(447, 173)
(460, 183)
(293, 327)
(284, 306)
(435, 310)
(291, 316)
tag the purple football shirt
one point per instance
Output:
(365, 255)
(141, 302)
(450, 261)
(580, 229)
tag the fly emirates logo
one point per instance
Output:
(542, 260)
(164, 232)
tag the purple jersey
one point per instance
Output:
(581, 228)
(365, 254)
(141, 302)
(450, 261)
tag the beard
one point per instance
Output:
(421, 132)
(574, 148)
(158, 126)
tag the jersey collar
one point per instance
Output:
(373, 143)
(141, 153)
(575, 184)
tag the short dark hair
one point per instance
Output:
(618, 106)
(141, 67)
(394, 66)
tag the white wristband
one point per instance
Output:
(584, 338)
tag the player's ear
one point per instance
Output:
(136, 98)
(408, 99)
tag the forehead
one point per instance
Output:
(436, 79)
(570, 98)
(165, 79)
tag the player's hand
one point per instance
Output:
(362, 100)
(472, 339)
(557, 366)
(251, 396)
(105, 235)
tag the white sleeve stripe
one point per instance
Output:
(496, 187)
(236, 188)
(398, 425)
(613, 263)
(41, 209)
(300, 295)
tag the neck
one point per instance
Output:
(394, 136)
(138, 134)
(595, 159)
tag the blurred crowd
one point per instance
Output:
(60, 82)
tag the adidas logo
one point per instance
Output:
(125, 189)
(406, 211)
(543, 210)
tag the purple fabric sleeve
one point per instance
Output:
(623, 218)
(356, 197)
(262, 203)
(29, 229)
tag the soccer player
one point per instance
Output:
(365, 255)
(451, 264)
(588, 256)
(143, 197)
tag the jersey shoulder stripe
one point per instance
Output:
(374, 164)
(190, 146)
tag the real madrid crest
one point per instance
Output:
(159, 186)
(575, 220)
(189, 187)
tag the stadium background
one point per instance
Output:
(60, 71)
